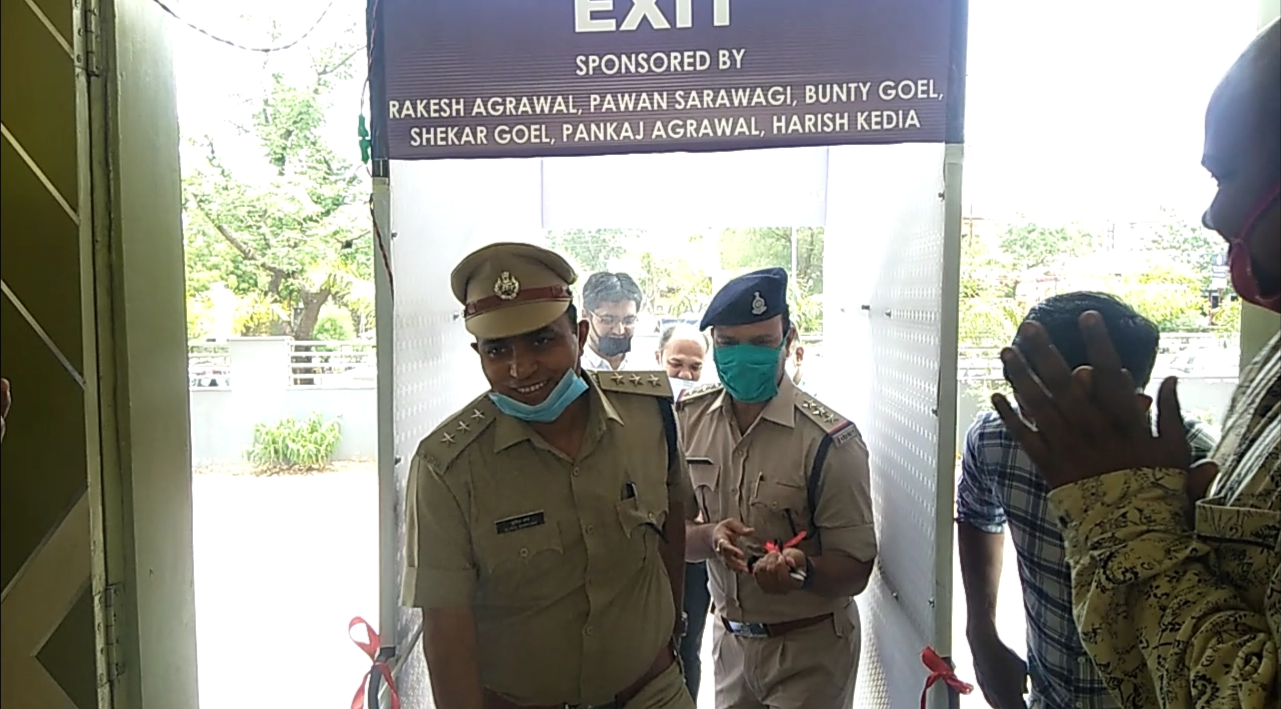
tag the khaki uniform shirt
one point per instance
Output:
(760, 477)
(1178, 615)
(558, 558)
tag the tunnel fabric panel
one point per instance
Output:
(897, 227)
(440, 212)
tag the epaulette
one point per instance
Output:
(839, 428)
(649, 383)
(455, 433)
(697, 392)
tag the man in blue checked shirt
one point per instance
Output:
(1000, 487)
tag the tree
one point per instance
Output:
(295, 236)
(1032, 245)
(1188, 244)
(591, 249)
(672, 280)
(745, 249)
(762, 247)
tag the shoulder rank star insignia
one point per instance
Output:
(758, 304)
(506, 287)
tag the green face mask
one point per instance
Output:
(748, 372)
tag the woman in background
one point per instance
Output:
(681, 351)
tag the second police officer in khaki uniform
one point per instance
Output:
(546, 518)
(775, 469)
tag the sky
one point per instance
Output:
(1083, 111)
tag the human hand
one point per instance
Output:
(1001, 673)
(1200, 478)
(1088, 422)
(773, 572)
(725, 543)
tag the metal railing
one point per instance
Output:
(208, 365)
(332, 364)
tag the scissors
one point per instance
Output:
(773, 546)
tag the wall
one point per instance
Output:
(223, 419)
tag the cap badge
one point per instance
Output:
(506, 287)
(758, 304)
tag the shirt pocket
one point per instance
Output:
(641, 517)
(777, 510)
(705, 475)
(525, 566)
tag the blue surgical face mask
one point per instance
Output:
(571, 387)
(748, 372)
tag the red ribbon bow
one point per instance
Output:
(370, 647)
(940, 670)
(772, 546)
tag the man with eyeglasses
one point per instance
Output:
(611, 302)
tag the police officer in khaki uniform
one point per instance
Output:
(546, 518)
(783, 483)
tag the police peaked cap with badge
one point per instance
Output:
(509, 289)
(750, 298)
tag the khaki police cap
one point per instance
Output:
(509, 289)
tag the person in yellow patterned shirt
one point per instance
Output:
(1176, 589)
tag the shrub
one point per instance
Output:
(290, 443)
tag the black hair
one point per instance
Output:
(571, 314)
(1135, 337)
(603, 287)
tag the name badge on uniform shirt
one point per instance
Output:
(519, 522)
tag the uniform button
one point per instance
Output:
(590, 529)
(733, 491)
(773, 505)
(1082, 660)
(588, 630)
(575, 472)
(650, 516)
(524, 552)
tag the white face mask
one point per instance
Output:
(680, 386)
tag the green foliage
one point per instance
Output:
(1169, 297)
(292, 232)
(986, 321)
(1189, 245)
(747, 249)
(1226, 319)
(591, 249)
(290, 443)
(1031, 245)
(334, 324)
(675, 281)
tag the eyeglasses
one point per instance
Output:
(613, 320)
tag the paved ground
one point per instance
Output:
(283, 563)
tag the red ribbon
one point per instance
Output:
(772, 546)
(940, 670)
(370, 647)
